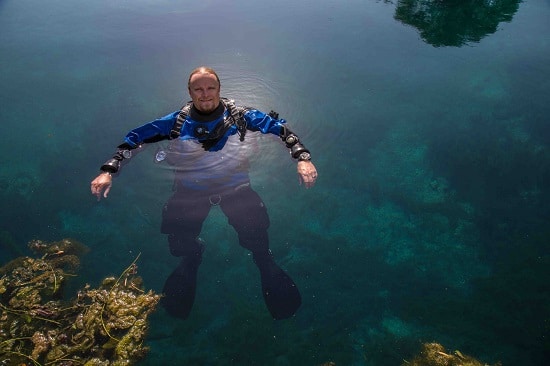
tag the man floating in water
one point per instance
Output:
(208, 152)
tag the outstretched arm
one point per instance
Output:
(150, 132)
(270, 123)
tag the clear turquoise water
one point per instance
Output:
(430, 132)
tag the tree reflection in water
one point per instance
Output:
(455, 22)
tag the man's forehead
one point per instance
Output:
(204, 77)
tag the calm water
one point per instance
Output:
(428, 123)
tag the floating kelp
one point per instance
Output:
(434, 354)
(100, 326)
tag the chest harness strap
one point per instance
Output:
(236, 117)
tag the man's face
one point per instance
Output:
(204, 90)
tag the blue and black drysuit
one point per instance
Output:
(211, 168)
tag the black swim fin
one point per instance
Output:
(280, 293)
(180, 287)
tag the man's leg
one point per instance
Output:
(248, 215)
(182, 219)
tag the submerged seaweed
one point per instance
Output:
(99, 326)
(434, 354)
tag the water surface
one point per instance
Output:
(427, 122)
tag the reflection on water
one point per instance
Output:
(456, 22)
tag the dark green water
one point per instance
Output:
(428, 123)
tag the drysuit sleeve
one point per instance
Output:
(270, 123)
(154, 131)
(259, 121)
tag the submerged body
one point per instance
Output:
(209, 154)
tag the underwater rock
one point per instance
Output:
(99, 326)
(434, 354)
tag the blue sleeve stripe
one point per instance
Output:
(159, 127)
(260, 121)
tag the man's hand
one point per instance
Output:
(104, 181)
(307, 173)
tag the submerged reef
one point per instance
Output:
(99, 326)
(434, 354)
